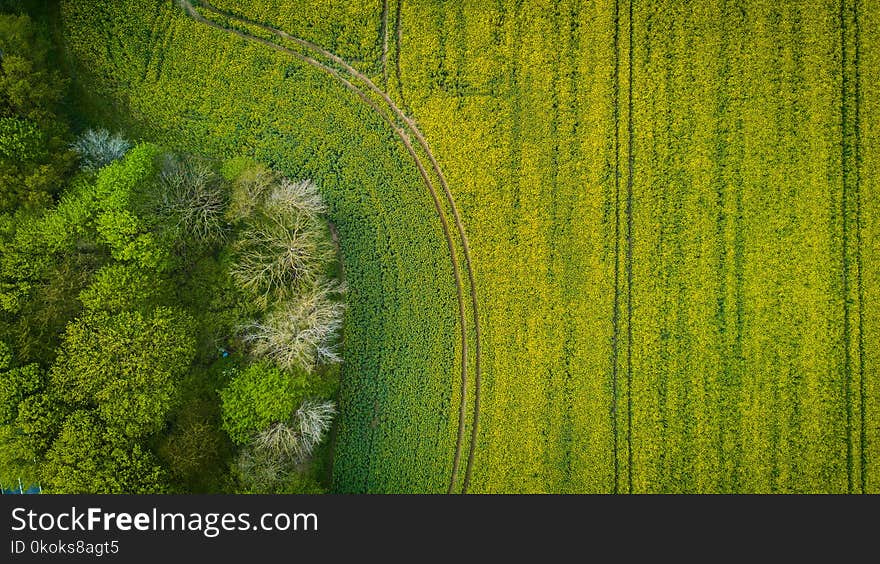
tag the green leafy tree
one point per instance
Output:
(195, 449)
(16, 459)
(16, 383)
(39, 418)
(21, 139)
(119, 287)
(92, 218)
(261, 395)
(28, 419)
(120, 191)
(129, 240)
(28, 86)
(45, 262)
(17, 455)
(86, 457)
(126, 365)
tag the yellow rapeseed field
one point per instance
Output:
(657, 266)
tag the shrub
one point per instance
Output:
(96, 148)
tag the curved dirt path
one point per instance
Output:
(413, 128)
(405, 139)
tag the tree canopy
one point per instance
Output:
(34, 157)
(126, 365)
(87, 457)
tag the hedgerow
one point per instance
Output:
(400, 318)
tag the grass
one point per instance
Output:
(672, 210)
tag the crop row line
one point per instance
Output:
(626, 202)
(629, 249)
(398, 41)
(384, 33)
(847, 355)
(615, 315)
(863, 430)
(851, 197)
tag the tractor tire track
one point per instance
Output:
(411, 125)
(615, 316)
(630, 166)
(398, 41)
(384, 33)
(863, 430)
(405, 139)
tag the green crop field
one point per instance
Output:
(591, 246)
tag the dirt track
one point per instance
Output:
(407, 123)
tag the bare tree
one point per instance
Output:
(314, 418)
(279, 255)
(296, 197)
(97, 148)
(303, 332)
(195, 197)
(282, 246)
(297, 440)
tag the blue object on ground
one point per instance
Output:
(32, 489)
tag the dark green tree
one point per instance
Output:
(87, 457)
(16, 383)
(34, 156)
